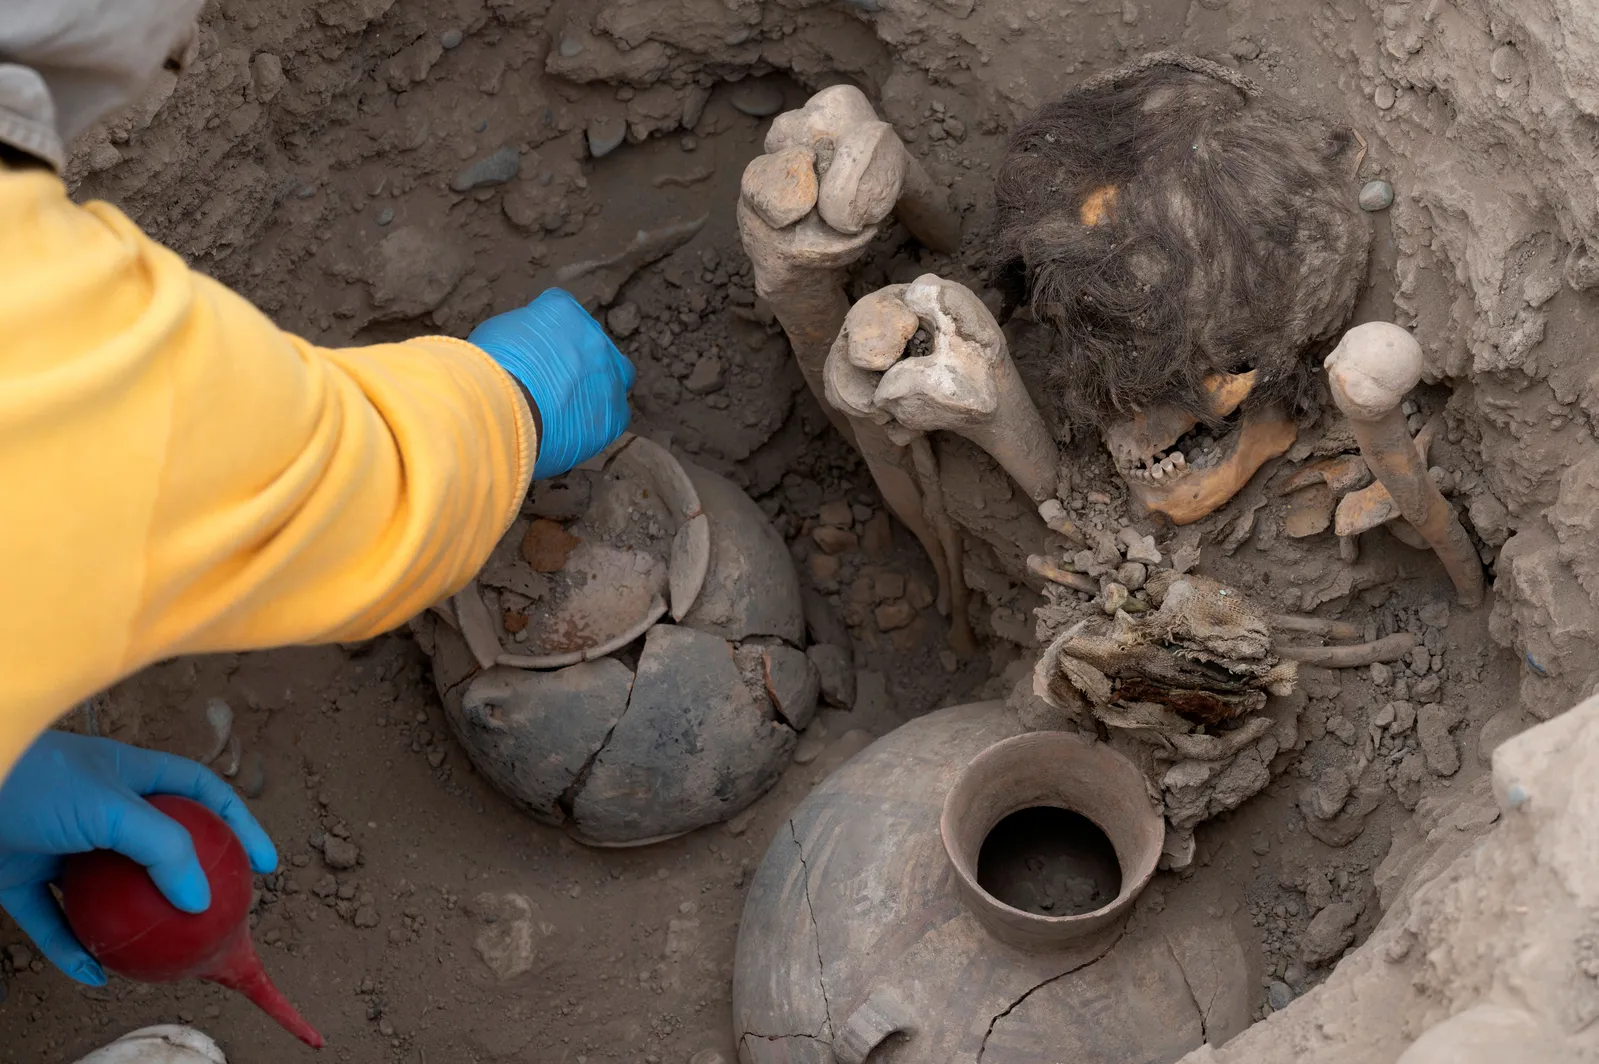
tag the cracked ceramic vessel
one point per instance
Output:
(860, 939)
(683, 726)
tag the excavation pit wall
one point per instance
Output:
(366, 170)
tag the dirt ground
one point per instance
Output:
(312, 144)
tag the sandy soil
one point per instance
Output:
(310, 137)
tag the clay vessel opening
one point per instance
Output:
(1050, 862)
(1051, 837)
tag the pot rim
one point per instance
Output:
(1137, 844)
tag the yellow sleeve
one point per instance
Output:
(177, 475)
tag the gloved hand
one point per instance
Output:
(577, 378)
(70, 794)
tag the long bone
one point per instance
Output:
(1370, 371)
(966, 384)
(832, 162)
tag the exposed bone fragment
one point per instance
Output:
(596, 282)
(1196, 491)
(866, 173)
(1055, 574)
(1054, 517)
(1388, 648)
(1363, 510)
(1370, 371)
(1293, 622)
(961, 639)
(1342, 474)
(967, 384)
(781, 187)
(799, 268)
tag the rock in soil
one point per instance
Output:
(1437, 745)
(835, 672)
(511, 926)
(340, 854)
(1329, 934)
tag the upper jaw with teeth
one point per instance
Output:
(1173, 465)
(1163, 480)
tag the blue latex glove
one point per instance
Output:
(577, 378)
(71, 794)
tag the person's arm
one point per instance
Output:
(177, 475)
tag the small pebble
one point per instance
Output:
(252, 775)
(1376, 196)
(386, 215)
(605, 135)
(497, 169)
(623, 320)
(451, 38)
(1385, 97)
(1279, 994)
(757, 97)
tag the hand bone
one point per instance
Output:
(1370, 372)
(966, 384)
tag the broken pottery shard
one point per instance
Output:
(691, 558)
(792, 683)
(531, 733)
(650, 464)
(478, 626)
(751, 587)
(597, 281)
(693, 748)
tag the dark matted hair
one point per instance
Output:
(1232, 239)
